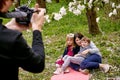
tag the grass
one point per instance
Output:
(54, 34)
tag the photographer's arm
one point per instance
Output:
(32, 60)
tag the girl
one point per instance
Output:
(67, 52)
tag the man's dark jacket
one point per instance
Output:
(15, 53)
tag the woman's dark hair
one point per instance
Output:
(78, 35)
(2, 2)
(77, 48)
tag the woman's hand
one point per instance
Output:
(15, 26)
(38, 18)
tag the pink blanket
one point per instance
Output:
(72, 75)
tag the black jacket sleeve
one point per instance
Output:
(65, 52)
(30, 59)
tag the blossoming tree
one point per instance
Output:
(77, 6)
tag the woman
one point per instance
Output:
(90, 62)
(14, 50)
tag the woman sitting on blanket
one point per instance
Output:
(87, 49)
(70, 41)
(93, 61)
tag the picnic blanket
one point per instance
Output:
(72, 75)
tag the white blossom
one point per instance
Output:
(113, 5)
(81, 7)
(76, 12)
(47, 18)
(76, 7)
(98, 8)
(62, 11)
(97, 19)
(90, 5)
(70, 4)
(118, 6)
(49, 1)
(106, 1)
(115, 12)
(90, 1)
(57, 16)
(109, 49)
(71, 9)
(85, 1)
(110, 14)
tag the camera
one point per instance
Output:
(26, 19)
(22, 14)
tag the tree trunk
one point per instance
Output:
(92, 24)
(41, 3)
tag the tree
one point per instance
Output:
(91, 17)
(90, 6)
(92, 24)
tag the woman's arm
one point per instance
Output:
(30, 59)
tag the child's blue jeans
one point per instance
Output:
(91, 62)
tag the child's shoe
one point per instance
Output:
(57, 65)
(84, 71)
(58, 71)
(67, 70)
